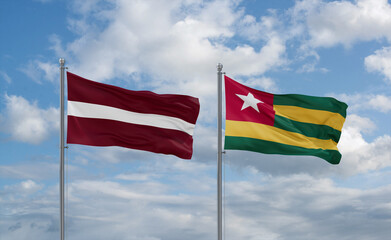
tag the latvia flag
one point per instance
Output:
(106, 115)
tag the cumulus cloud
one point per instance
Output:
(263, 29)
(32, 171)
(363, 102)
(300, 207)
(39, 70)
(344, 22)
(26, 122)
(359, 155)
(321, 23)
(295, 207)
(380, 61)
(24, 188)
(176, 49)
(381, 103)
(136, 203)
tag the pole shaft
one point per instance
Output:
(62, 217)
(219, 154)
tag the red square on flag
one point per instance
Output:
(247, 104)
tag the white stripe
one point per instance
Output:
(89, 110)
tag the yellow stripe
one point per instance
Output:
(270, 133)
(334, 120)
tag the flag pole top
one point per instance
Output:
(219, 67)
(62, 61)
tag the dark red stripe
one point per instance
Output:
(101, 132)
(180, 106)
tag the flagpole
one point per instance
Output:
(219, 153)
(62, 217)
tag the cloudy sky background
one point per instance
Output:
(322, 48)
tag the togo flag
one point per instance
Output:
(289, 124)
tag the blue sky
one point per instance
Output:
(323, 48)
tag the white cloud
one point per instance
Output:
(301, 207)
(264, 29)
(311, 67)
(381, 103)
(380, 62)
(33, 171)
(26, 122)
(180, 51)
(175, 49)
(135, 176)
(363, 102)
(38, 71)
(360, 156)
(319, 23)
(24, 188)
(295, 206)
(344, 22)
(263, 83)
(5, 76)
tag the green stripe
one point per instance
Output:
(262, 146)
(307, 129)
(311, 102)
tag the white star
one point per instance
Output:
(249, 101)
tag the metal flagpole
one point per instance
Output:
(62, 217)
(219, 153)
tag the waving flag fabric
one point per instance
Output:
(290, 124)
(106, 115)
